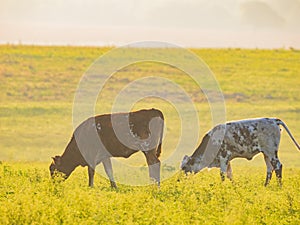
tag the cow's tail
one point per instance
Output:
(280, 122)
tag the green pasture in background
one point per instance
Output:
(38, 86)
(37, 89)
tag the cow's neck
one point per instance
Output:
(70, 160)
(202, 147)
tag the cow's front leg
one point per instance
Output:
(224, 163)
(269, 169)
(222, 172)
(153, 165)
(109, 172)
(91, 173)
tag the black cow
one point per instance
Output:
(99, 138)
(239, 139)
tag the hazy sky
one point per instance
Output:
(199, 23)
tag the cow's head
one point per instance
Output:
(189, 164)
(56, 166)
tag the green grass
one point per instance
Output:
(37, 90)
(28, 197)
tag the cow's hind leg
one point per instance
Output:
(153, 164)
(109, 172)
(278, 169)
(269, 169)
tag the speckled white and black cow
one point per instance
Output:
(239, 139)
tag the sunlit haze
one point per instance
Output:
(191, 23)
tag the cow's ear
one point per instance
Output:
(57, 160)
(185, 157)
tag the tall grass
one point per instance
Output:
(29, 197)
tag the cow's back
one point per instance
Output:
(108, 136)
(245, 138)
(129, 127)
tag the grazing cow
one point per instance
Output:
(239, 139)
(99, 138)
